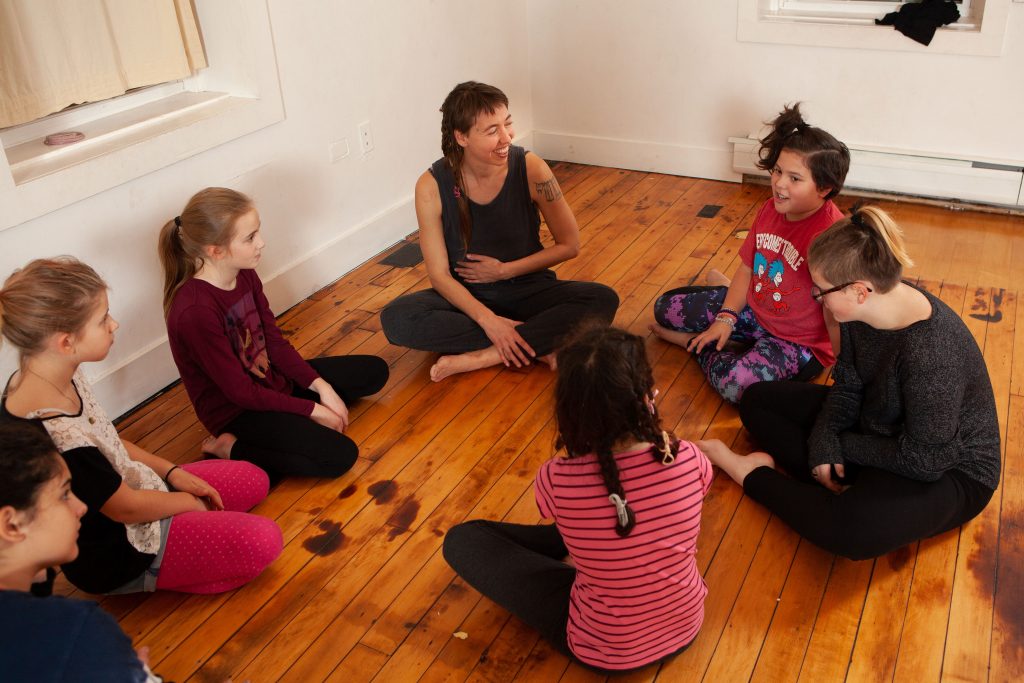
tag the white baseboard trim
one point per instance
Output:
(126, 385)
(916, 173)
(637, 155)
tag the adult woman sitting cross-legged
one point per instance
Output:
(494, 299)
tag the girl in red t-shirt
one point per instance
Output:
(767, 305)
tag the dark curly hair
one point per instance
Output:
(603, 395)
(826, 158)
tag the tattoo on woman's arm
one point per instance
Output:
(549, 189)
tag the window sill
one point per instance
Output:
(982, 38)
(31, 160)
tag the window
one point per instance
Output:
(237, 94)
(848, 11)
(850, 24)
(91, 50)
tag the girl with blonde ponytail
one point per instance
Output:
(905, 444)
(151, 524)
(250, 388)
(613, 583)
(494, 299)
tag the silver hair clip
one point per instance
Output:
(620, 509)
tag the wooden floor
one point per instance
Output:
(361, 591)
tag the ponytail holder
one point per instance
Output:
(667, 456)
(856, 217)
(620, 509)
(177, 221)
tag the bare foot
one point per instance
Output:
(219, 446)
(672, 336)
(549, 360)
(446, 366)
(735, 465)
(717, 278)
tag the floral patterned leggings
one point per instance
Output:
(693, 309)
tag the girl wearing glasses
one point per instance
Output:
(766, 306)
(905, 444)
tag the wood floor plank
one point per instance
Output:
(359, 666)
(881, 622)
(835, 630)
(745, 631)
(785, 644)
(1007, 656)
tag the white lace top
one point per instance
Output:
(92, 428)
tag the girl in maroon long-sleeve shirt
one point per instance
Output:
(249, 386)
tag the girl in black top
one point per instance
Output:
(494, 299)
(905, 444)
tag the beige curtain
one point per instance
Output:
(55, 53)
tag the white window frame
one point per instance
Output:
(853, 11)
(827, 23)
(152, 128)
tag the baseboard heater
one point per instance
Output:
(985, 181)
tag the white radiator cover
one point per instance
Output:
(987, 181)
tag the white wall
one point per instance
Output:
(664, 83)
(340, 63)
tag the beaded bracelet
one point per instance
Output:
(727, 319)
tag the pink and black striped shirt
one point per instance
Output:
(639, 598)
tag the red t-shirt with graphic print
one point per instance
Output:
(780, 284)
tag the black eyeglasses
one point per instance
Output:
(817, 294)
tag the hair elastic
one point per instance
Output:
(856, 217)
(620, 509)
(177, 221)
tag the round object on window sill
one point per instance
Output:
(65, 138)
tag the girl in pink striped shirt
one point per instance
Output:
(613, 583)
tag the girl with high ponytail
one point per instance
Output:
(626, 503)
(259, 399)
(766, 306)
(905, 444)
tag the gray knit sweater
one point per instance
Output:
(916, 402)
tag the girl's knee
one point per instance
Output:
(270, 540)
(255, 482)
(461, 543)
(379, 371)
(263, 541)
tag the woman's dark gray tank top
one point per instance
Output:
(507, 228)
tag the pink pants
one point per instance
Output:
(216, 551)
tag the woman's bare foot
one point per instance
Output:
(549, 360)
(735, 465)
(446, 366)
(219, 446)
(671, 336)
(717, 278)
